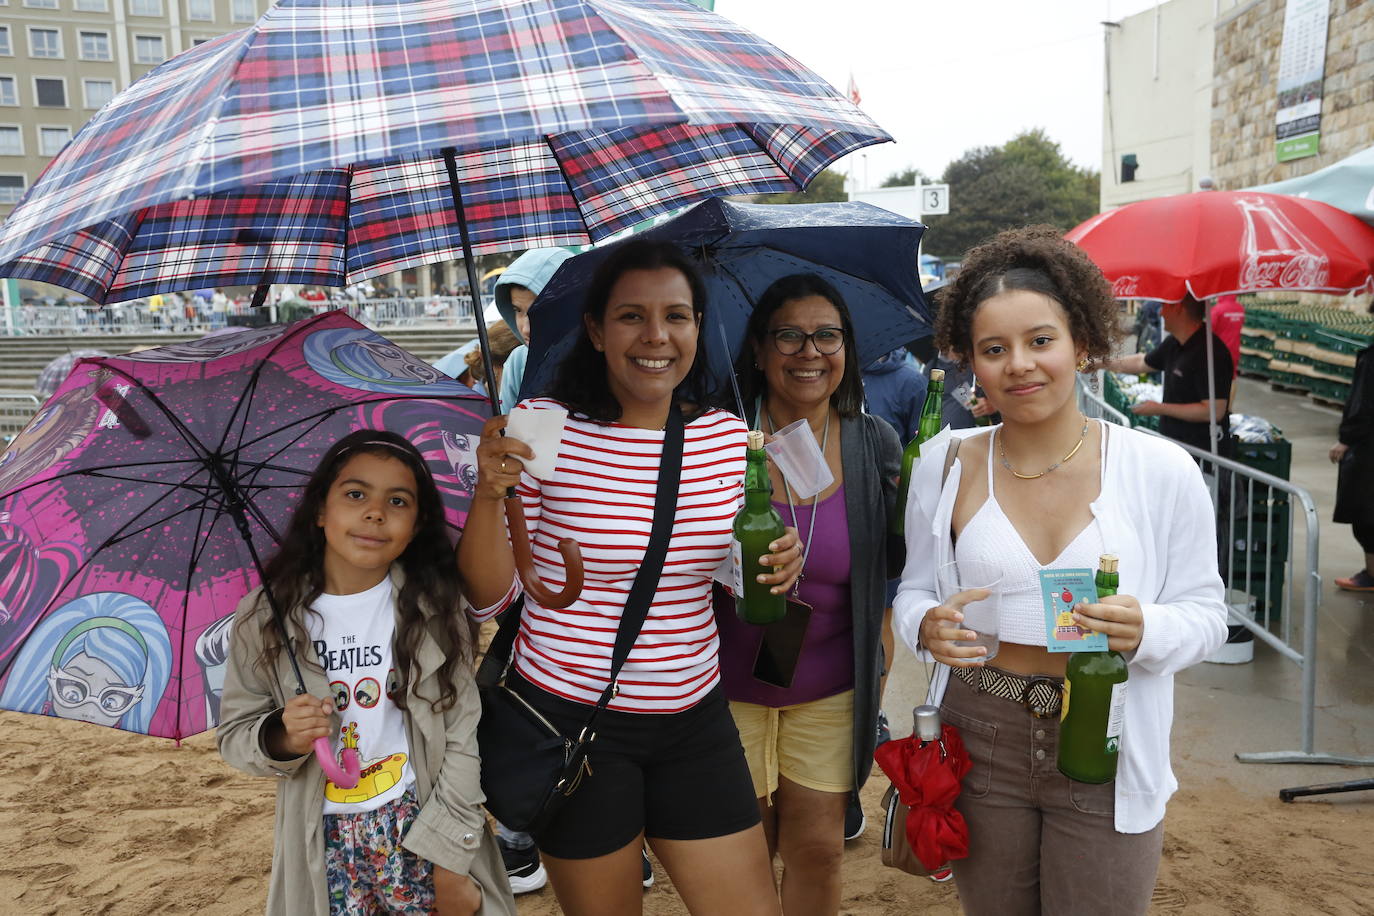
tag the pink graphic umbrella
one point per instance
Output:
(135, 506)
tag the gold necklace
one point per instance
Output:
(1002, 451)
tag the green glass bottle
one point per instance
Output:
(1090, 725)
(756, 526)
(983, 420)
(928, 426)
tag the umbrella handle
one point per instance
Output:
(346, 776)
(524, 561)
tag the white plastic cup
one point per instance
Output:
(979, 616)
(798, 455)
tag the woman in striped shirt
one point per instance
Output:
(667, 763)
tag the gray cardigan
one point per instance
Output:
(871, 457)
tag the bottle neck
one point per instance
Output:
(758, 488)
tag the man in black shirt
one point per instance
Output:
(1182, 358)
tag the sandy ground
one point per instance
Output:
(100, 821)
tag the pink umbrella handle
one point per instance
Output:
(346, 776)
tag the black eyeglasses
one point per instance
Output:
(791, 341)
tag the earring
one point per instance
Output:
(1083, 364)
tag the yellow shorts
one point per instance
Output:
(812, 744)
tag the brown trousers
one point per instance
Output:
(1038, 841)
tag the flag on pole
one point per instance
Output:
(853, 91)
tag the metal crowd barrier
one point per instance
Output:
(138, 318)
(16, 409)
(1262, 566)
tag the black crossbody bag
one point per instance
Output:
(529, 768)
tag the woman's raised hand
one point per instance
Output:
(498, 460)
(786, 552)
(1119, 616)
(303, 719)
(940, 628)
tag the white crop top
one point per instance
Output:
(991, 540)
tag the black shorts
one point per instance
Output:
(674, 776)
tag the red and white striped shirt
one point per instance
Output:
(602, 495)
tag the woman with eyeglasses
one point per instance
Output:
(810, 744)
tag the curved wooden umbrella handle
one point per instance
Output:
(524, 561)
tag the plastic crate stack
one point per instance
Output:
(1258, 528)
(1303, 348)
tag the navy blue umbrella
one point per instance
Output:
(869, 254)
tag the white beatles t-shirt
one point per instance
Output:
(352, 635)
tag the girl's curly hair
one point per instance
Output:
(1036, 259)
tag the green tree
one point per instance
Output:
(905, 178)
(827, 187)
(1026, 180)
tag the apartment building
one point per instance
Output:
(61, 60)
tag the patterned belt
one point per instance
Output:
(1041, 695)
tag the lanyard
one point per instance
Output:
(815, 500)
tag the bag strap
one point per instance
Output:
(949, 460)
(646, 580)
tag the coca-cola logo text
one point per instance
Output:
(1125, 287)
(1302, 270)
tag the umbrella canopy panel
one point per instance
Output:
(596, 112)
(1212, 243)
(1347, 185)
(121, 493)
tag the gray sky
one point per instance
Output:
(943, 76)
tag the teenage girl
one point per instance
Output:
(667, 761)
(368, 584)
(1050, 489)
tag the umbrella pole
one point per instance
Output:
(1211, 378)
(515, 510)
(474, 284)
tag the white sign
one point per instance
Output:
(913, 201)
(934, 199)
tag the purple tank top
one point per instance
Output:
(826, 665)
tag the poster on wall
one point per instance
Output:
(1302, 66)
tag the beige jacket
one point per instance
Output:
(451, 829)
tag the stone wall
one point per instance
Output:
(1245, 98)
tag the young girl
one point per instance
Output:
(1050, 489)
(368, 583)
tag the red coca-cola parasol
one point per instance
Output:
(927, 776)
(1210, 243)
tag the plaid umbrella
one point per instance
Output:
(327, 143)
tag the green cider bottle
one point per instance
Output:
(928, 426)
(1094, 702)
(756, 526)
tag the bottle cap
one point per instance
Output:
(756, 439)
(937, 375)
(927, 722)
(1107, 563)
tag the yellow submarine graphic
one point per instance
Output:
(378, 775)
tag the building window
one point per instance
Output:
(245, 10)
(145, 7)
(200, 10)
(97, 92)
(5, 47)
(42, 4)
(11, 188)
(11, 140)
(45, 42)
(9, 91)
(95, 45)
(50, 91)
(91, 6)
(148, 49)
(52, 139)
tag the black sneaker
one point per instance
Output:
(854, 820)
(523, 868)
(646, 869)
(884, 733)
